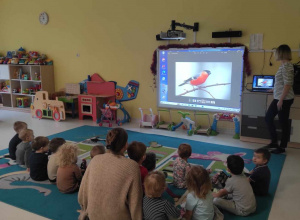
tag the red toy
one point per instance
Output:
(99, 93)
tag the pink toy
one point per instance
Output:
(87, 105)
(109, 114)
(149, 120)
(215, 155)
(99, 93)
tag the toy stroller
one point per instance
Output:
(108, 113)
(107, 116)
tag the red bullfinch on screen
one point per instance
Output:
(263, 83)
(197, 80)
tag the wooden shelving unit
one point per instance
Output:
(10, 75)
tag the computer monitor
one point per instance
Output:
(263, 83)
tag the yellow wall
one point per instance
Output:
(116, 38)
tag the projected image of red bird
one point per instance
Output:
(197, 80)
(263, 83)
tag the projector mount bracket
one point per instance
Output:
(195, 28)
(174, 34)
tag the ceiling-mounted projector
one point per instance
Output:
(173, 35)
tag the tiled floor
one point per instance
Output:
(287, 198)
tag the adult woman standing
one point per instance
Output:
(111, 187)
(283, 99)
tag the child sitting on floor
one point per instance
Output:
(154, 207)
(150, 161)
(97, 149)
(240, 197)
(68, 174)
(13, 143)
(181, 166)
(260, 176)
(52, 166)
(137, 152)
(24, 148)
(38, 159)
(199, 202)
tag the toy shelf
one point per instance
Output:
(23, 94)
(5, 100)
(21, 78)
(16, 97)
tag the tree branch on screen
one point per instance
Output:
(203, 89)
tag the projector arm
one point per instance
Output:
(174, 34)
(174, 24)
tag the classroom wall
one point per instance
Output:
(117, 38)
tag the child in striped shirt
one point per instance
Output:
(154, 207)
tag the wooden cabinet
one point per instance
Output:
(253, 125)
(21, 81)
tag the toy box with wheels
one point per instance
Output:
(163, 124)
(148, 120)
(201, 129)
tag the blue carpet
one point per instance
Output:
(56, 205)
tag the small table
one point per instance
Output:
(71, 104)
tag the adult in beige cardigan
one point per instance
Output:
(111, 186)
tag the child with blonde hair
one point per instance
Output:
(199, 202)
(24, 148)
(154, 207)
(181, 166)
(68, 173)
(52, 166)
(38, 159)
